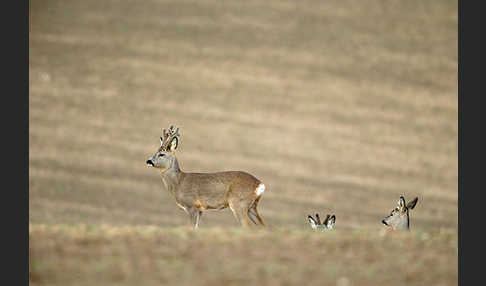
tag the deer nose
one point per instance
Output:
(149, 162)
(384, 222)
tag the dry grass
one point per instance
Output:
(338, 106)
(131, 255)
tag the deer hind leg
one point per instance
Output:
(240, 211)
(252, 212)
(252, 216)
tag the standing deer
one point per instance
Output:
(399, 218)
(327, 224)
(197, 192)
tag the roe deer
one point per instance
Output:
(327, 224)
(197, 192)
(399, 217)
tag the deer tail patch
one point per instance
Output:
(260, 189)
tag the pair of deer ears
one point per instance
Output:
(330, 220)
(411, 204)
(173, 144)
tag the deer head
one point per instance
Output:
(165, 158)
(399, 216)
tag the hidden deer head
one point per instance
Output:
(399, 218)
(317, 225)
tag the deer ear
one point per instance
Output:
(331, 221)
(173, 144)
(161, 141)
(312, 222)
(411, 204)
(401, 202)
(327, 219)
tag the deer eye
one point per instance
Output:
(161, 155)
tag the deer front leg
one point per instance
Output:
(194, 216)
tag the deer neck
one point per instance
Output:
(404, 224)
(172, 177)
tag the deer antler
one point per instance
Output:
(168, 136)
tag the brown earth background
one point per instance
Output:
(337, 106)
